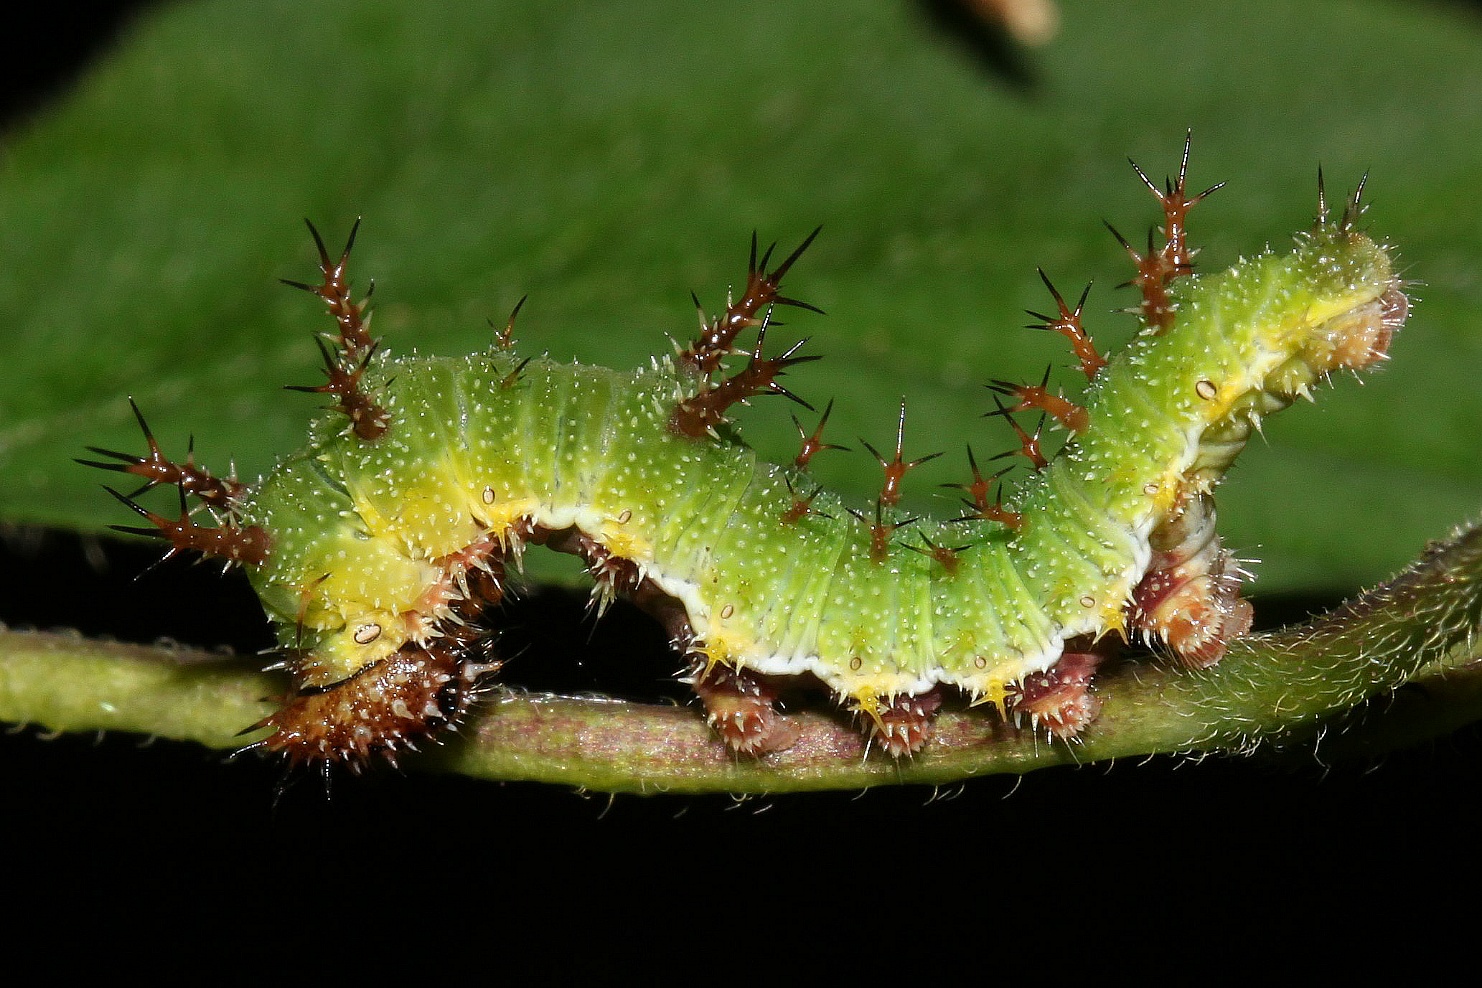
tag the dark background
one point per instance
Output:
(1223, 859)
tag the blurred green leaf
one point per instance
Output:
(608, 158)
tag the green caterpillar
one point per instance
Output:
(379, 547)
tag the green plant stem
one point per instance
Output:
(1419, 631)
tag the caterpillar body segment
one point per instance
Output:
(388, 550)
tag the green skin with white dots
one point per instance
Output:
(371, 540)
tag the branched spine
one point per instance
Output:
(717, 335)
(977, 501)
(157, 469)
(221, 496)
(1071, 416)
(703, 413)
(235, 544)
(895, 469)
(1068, 324)
(368, 419)
(1157, 266)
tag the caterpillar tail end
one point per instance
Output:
(415, 695)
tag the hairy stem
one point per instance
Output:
(1413, 641)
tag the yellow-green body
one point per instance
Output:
(484, 444)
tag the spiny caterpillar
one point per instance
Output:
(379, 548)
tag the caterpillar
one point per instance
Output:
(381, 548)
